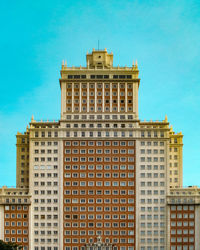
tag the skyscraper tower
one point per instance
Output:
(99, 177)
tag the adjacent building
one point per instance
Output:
(100, 178)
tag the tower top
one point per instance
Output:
(99, 59)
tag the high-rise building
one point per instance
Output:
(99, 178)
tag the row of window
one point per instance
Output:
(99, 183)
(49, 224)
(43, 232)
(18, 239)
(99, 232)
(55, 159)
(14, 224)
(99, 108)
(177, 247)
(100, 125)
(120, 240)
(152, 175)
(99, 117)
(154, 192)
(151, 143)
(46, 134)
(48, 183)
(99, 175)
(98, 77)
(98, 200)
(182, 224)
(184, 208)
(99, 143)
(100, 224)
(43, 216)
(155, 201)
(99, 167)
(99, 192)
(48, 175)
(182, 200)
(150, 216)
(99, 159)
(98, 209)
(150, 209)
(98, 217)
(100, 134)
(150, 224)
(152, 134)
(45, 167)
(182, 239)
(152, 159)
(182, 247)
(18, 231)
(44, 192)
(173, 140)
(154, 232)
(43, 151)
(13, 216)
(180, 231)
(25, 208)
(47, 200)
(152, 184)
(99, 104)
(150, 167)
(149, 151)
(150, 240)
(48, 209)
(114, 240)
(173, 149)
(100, 93)
(99, 151)
(175, 164)
(184, 216)
(42, 240)
(48, 143)
(173, 157)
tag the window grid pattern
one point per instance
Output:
(99, 192)
(182, 226)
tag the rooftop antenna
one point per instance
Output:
(98, 44)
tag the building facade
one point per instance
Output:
(100, 177)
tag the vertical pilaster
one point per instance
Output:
(111, 97)
(118, 97)
(103, 96)
(125, 96)
(95, 97)
(80, 97)
(133, 96)
(88, 98)
(135, 100)
(72, 97)
(63, 99)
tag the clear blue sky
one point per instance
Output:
(164, 36)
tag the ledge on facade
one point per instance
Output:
(184, 195)
(12, 195)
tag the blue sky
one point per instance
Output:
(162, 35)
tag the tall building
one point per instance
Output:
(99, 178)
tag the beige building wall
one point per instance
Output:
(1, 222)
(45, 185)
(176, 159)
(22, 159)
(152, 185)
